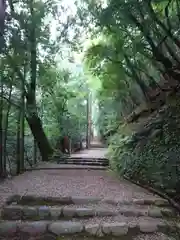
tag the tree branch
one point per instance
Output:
(167, 15)
(12, 101)
(17, 70)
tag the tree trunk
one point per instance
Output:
(158, 55)
(171, 52)
(163, 26)
(5, 127)
(155, 51)
(32, 118)
(1, 130)
(2, 22)
(35, 152)
(178, 9)
(22, 115)
(22, 119)
(33, 61)
(18, 150)
(35, 125)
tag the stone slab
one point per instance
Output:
(148, 227)
(69, 212)
(85, 212)
(116, 229)
(44, 212)
(33, 228)
(65, 227)
(8, 228)
(30, 213)
(12, 212)
(94, 230)
(56, 213)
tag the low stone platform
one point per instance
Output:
(56, 166)
(59, 228)
(85, 216)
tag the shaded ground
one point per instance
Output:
(59, 182)
(71, 182)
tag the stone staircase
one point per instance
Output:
(97, 145)
(78, 162)
(49, 218)
(93, 158)
(82, 161)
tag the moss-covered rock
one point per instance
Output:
(152, 154)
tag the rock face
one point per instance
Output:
(151, 130)
(154, 151)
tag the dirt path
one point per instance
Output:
(72, 182)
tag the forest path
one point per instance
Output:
(92, 203)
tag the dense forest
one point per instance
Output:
(43, 93)
(127, 51)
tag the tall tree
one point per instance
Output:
(28, 37)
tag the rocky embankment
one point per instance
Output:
(155, 151)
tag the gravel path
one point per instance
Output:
(71, 182)
(158, 236)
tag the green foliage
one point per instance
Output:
(119, 154)
(136, 42)
(37, 43)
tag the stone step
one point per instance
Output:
(81, 158)
(18, 212)
(56, 166)
(96, 146)
(75, 228)
(84, 163)
(77, 200)
(51, 213)
(85, 160)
